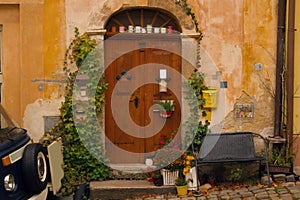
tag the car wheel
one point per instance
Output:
(35, 168)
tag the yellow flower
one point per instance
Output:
(186, 170)
(190, 157)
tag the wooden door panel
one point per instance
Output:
(164, 60)
(120, 87)
(124, 75)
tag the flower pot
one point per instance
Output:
(191, 178)
(279, 169)
(158, 181)
(169, 176)
(165, 114)
(182, 190)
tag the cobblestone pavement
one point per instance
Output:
(285, 191)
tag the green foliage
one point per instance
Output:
(80, 164)
(235, 175)
(156, 174)
(180, 181)
(195, 98)
(189, 12)
(79, 49)
(166, 105)
(196, 82)
(196, 127)
(281, 157)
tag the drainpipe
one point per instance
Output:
(279, 68)
(290, 72)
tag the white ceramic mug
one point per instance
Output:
(137, 29)
(149, 28)
(130, 29)
(163, 30)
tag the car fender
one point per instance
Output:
(56, 165)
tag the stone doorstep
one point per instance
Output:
(130, 168)
(123, 189)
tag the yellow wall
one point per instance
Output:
(33, 51)
(9, 18)
(297, 71)
(31, 55)
(296, 123)
(54, 46)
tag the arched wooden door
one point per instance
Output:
(133, 125)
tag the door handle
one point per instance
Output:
(136, 101)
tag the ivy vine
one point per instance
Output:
(80, 165)
(189, 12)
(196, 125)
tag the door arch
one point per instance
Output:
(144, 58)
(142, 17)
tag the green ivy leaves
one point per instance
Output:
(196, 102)
(80, 165)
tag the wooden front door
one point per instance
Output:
(133, 125)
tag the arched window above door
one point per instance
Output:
(142, 17)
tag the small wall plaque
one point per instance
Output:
(243, 110)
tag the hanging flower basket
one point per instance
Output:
(166, 108)
(165, 114)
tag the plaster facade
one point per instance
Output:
(238, 35)
(32, 57)
(235, 39)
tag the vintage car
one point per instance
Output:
(27, 170)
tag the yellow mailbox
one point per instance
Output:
(210, 96)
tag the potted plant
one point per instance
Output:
(280, 160)
(181, 186)
(166, 108)
(181, 182)
(157, 178)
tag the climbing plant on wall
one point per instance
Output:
(197, 114)
(80, 166)
(197, 85)
(189, 12)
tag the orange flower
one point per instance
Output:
(186, 170)
(190, 158)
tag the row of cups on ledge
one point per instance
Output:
(140, 29)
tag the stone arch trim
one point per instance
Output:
(99, 18)
(142, 16)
